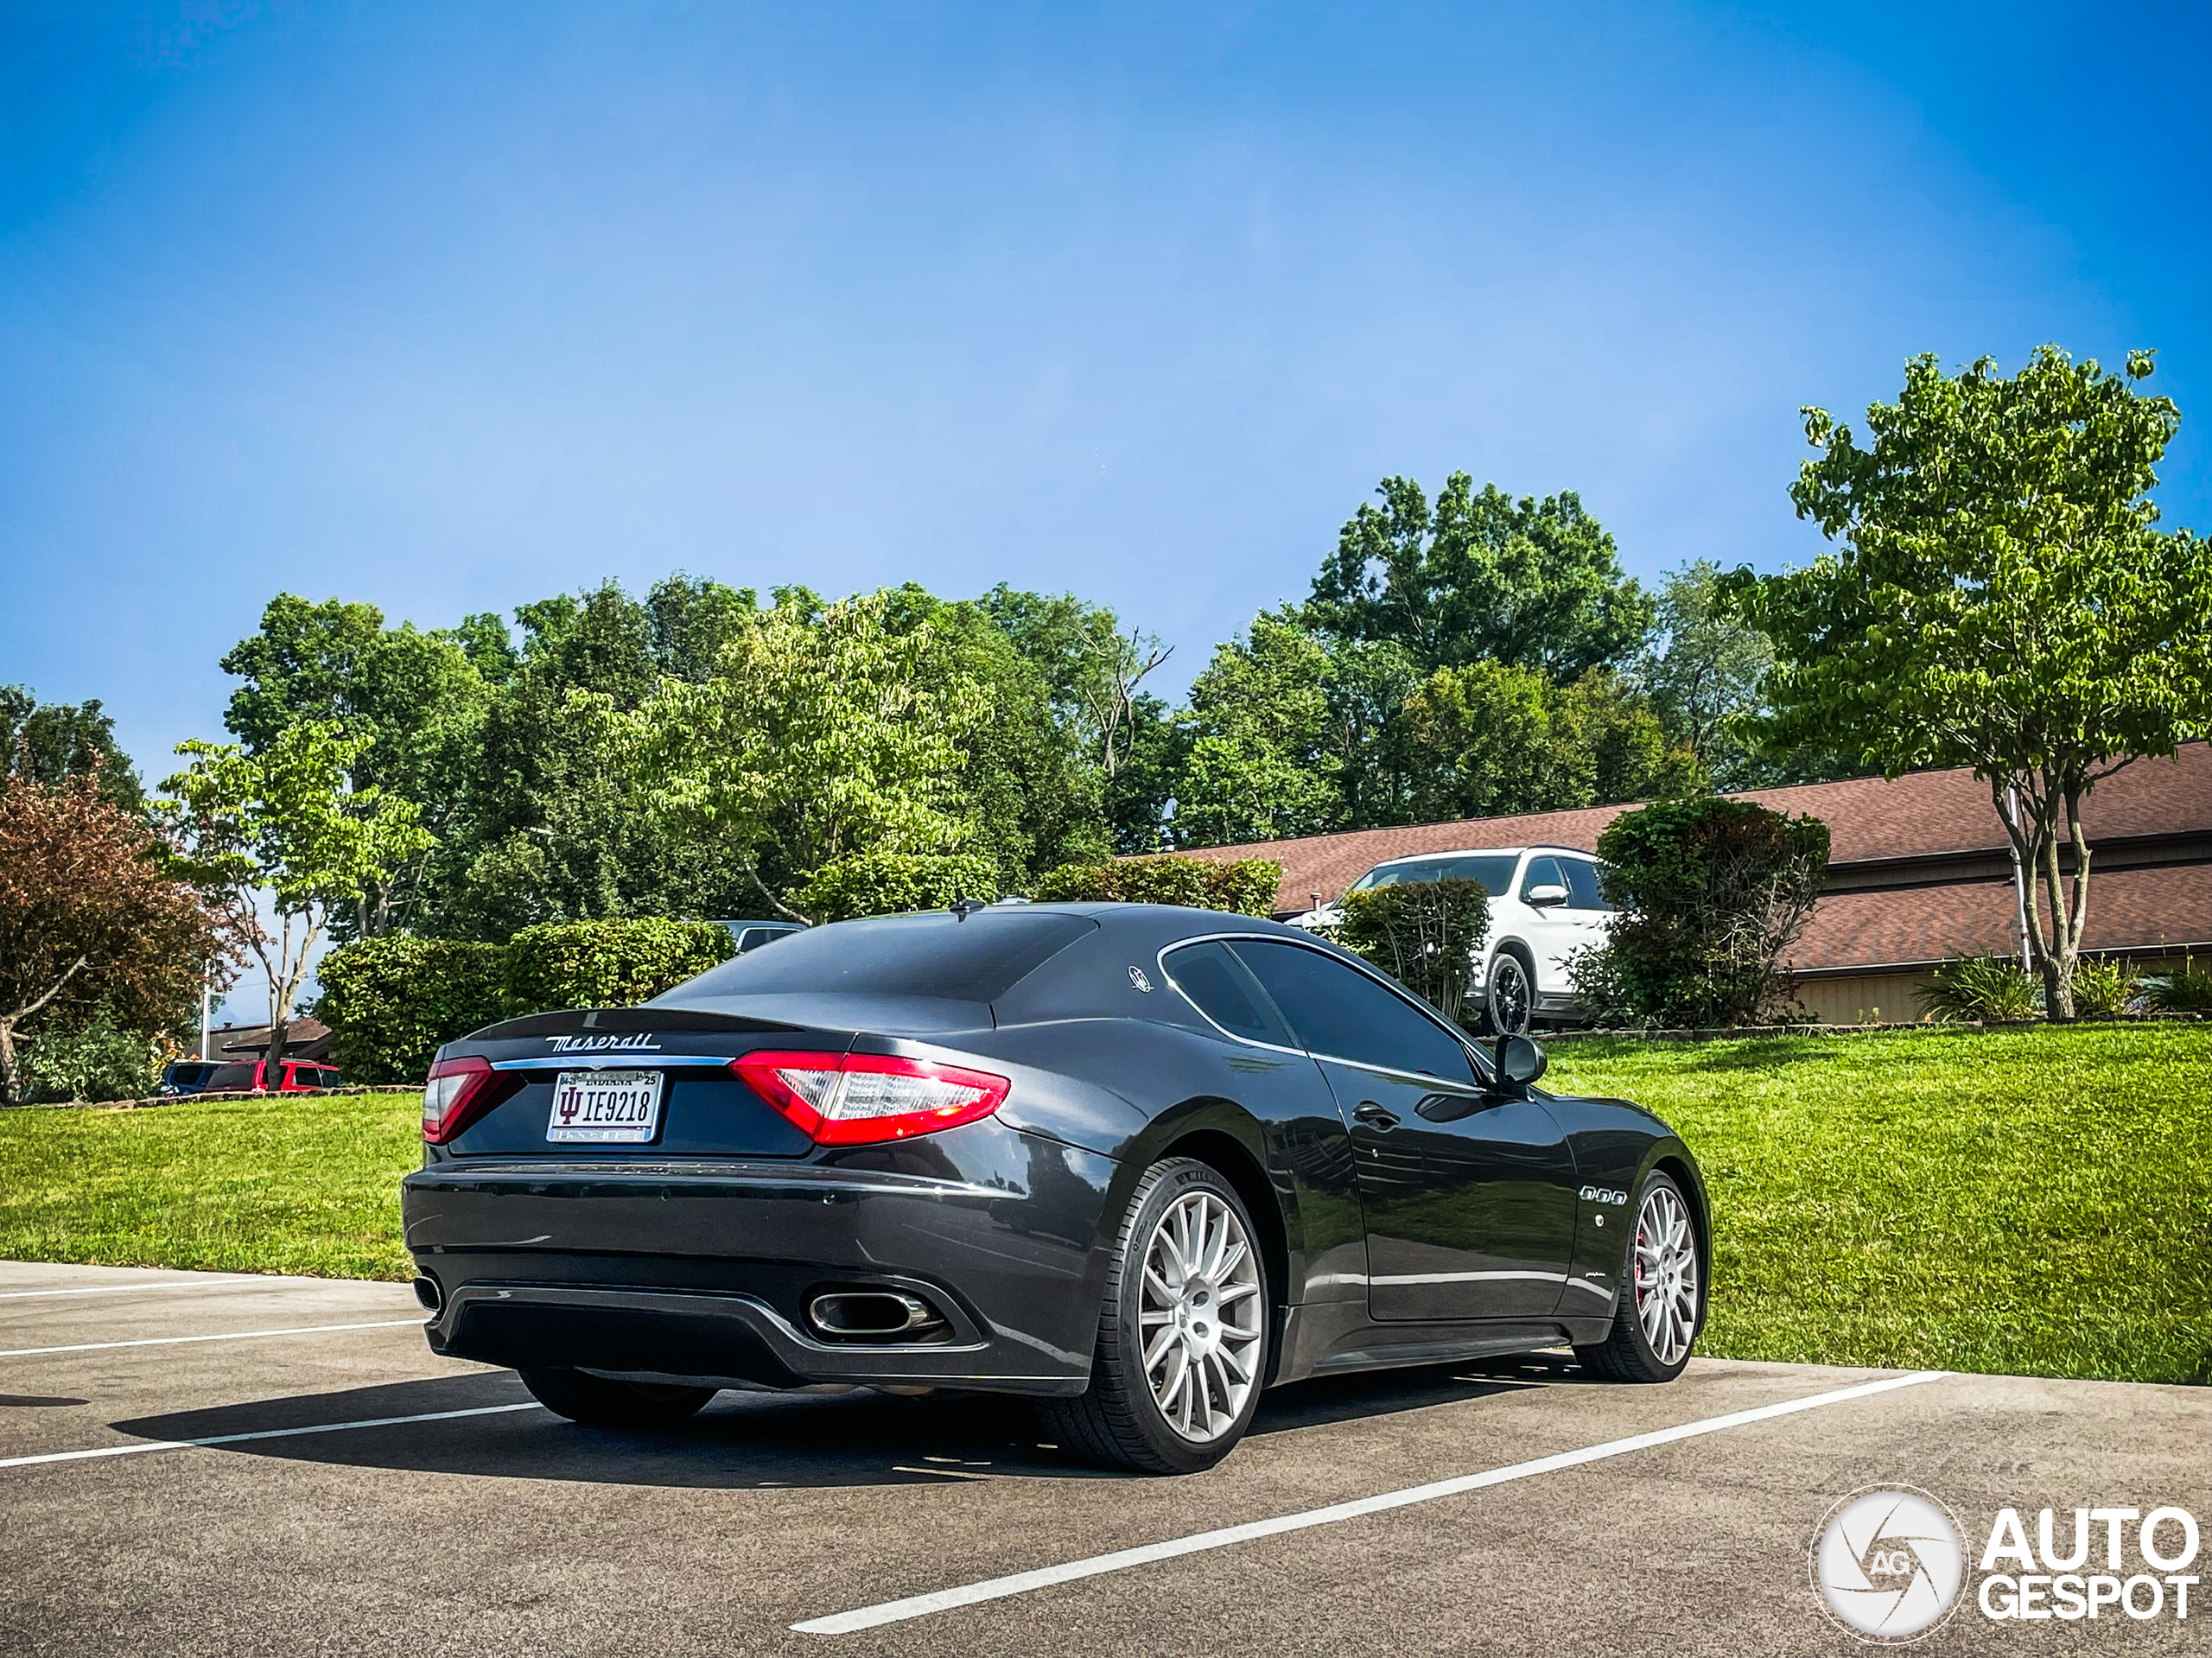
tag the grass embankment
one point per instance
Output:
(284, 1184)
(2035, 1201)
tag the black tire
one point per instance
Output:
(1627, 1353)
(1510, 998)
(598, 1402)
(1117, 1422)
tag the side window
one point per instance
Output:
(1338, 1011)
(1582, 888)
(1543, 872)
(1218, 986)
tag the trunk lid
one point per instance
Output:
(702, 1108)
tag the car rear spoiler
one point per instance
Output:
(573, 1021)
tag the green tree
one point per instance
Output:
(1095, 670)
(1140, 794)
(545, 827)
(418, 699)
(1260, 765)
(1999, 598)
(1704, 668)
(1704, 672)
(1528, 583)
(1030, 795)
(1369, 756)
(1482, 734)
(285, 825)
(53, 741)
(814, 738)
(1490, 740)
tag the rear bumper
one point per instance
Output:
(705, 1267)
(711, 1336)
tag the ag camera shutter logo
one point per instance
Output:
(1887, 1563)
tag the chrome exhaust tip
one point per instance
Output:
(874, 1315)
(427, 1292)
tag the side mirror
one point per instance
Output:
(1550, 892)
(1520, 1061)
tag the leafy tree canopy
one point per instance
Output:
(1999, 598)
(1029, 792)
(1528, 583)
(50, 742)
(1259, 765)
(286, 825)
(1490, 740)
(819, 739)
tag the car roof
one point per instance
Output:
(1487, 851)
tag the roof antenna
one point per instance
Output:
(964, 907)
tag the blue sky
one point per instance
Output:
(449, 308)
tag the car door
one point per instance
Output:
(1553, 931)
(1468, 1196)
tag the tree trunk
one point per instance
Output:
(2035, 843)
(2057, 913)
(8, 1088)
(2069, 911)
(283, 986)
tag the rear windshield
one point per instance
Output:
(188, 1073)
(979, 959)
(232, 1076)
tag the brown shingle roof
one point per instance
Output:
(2145, 911)
(1872, 822)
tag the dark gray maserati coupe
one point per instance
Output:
(1138, 1163)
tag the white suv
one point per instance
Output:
(1545, 904)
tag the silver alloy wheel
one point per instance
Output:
(1200, 1316)
(1666, 1274)
(1512, 998)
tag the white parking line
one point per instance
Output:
(265, 1433)
(178, 1284)
(1021, 1583)
(229, 1336)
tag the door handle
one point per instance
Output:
(1375, 1116)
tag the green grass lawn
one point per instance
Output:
(280, 1185)
(2036, 1201)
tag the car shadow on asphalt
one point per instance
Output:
(755, 1441)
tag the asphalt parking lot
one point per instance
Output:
(464, 1519)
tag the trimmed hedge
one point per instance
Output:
(392, 1002)
(609, 963)
(1247, 887)
(895, 883)
(1713, 893)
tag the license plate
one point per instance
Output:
(605, 1106)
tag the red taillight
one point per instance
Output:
(858, 1099)
(458, 1092)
